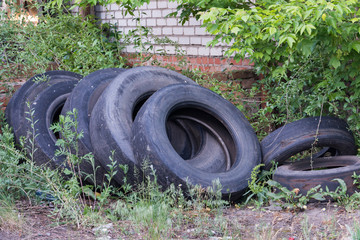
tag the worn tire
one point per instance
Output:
(115, 110)
(16, 108)
(151, 143)
(299, 174)
(293, 138)
(46, 102)
(185, 137)
(83, 98)
(194, 143)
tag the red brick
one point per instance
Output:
(175, 58)
(193, 60)
(246, 62)
(217, 61)
(217, 68)
(212, 68)
(205, 60)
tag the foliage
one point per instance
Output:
(154, 210)
(58, 41)
(291, 198)
(259, 187)
(263, 190)
(18, 178)
(189, 8)
(72, 197)
(307, 51)
(342, 197)
(74, 44)
(129, 5)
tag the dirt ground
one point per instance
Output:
(318, 221)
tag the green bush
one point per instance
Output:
(308, 52)
(66, 41)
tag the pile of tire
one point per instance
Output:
(187, 133)
(332, 155)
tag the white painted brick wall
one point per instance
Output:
(167, 31)
(161, 22)
(191, 37)
(151, 22)
(195, 40)
(156, 14)
(162, 4)
(178, 30)
(189, 31)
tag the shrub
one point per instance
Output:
(65, 40)
(308, 52)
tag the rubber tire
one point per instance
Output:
(150, 141)
(194, 143)
(46, 106)
(16, 108)
(83, 98)
(185, 137)
(115, 110)
(297, 175)
(298, 136)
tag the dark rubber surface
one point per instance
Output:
(151, 143)
(83, 98)
(299, 175)
(293, 138)
(115, 110)
(46, 100)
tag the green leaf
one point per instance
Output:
(308, 28)
(339, 9)
(302, 29)
(272, 30)
(235, 30)
(356, 46)
(307, 46)
(318, 196)
(307, 13)
(290, 41)
(334, 62)
(67, 171)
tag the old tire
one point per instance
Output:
(83, 98)
(194, 143)
(185, 136)
(332, 133)
(46, 104)
(115, 110)
(299, 174)
(16, 109)
(151, 142)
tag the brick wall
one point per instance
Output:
(191, 36)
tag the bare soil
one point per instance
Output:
(318, 221)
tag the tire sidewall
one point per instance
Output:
(150, 122)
